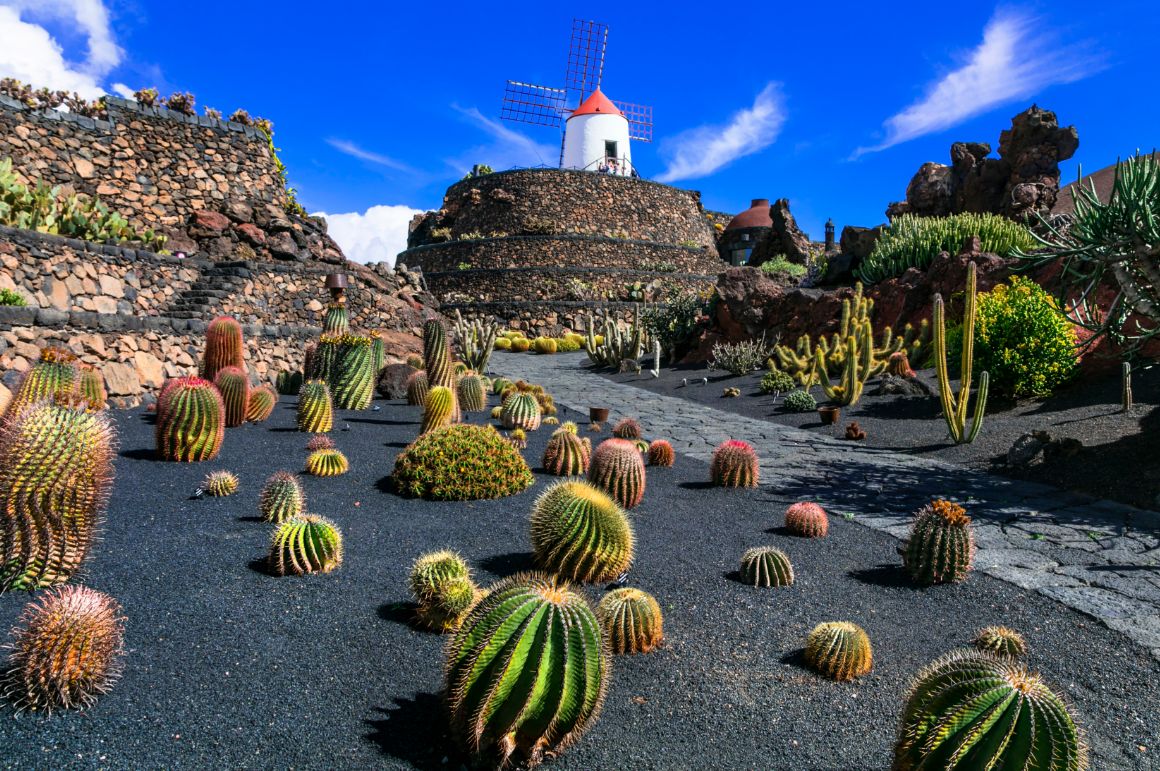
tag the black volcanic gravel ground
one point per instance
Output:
(228, 667)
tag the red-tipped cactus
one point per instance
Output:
(941, 546)
(660, 453)
(234, 386)
(320, 442)
(261, 404)
(190, 420)
(618, 469)
(628, 428)
(734, 464)
(807, 519)
(66, 651)
(223, 347)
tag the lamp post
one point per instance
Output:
(336, 284)
(829, 235)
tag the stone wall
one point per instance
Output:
(538, 317)
(558, 251)
(545, 284)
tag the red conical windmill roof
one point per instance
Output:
(596, 103)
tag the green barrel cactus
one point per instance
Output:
(437, 360)
(223, 347)
(579, 533)
(734, 464)
(417, 388)
(337, 320)
(974, 710)
(261, 404)
(378, 352)
(518, 438)
(496, 412)
(472, 393)
(500, 384)
(1001, 641)
(618, 469)
(305, 544)
(839, 650)
(941, 545)
(219, 484)
(433, 569)
(54, 376)
(315, 410)
(807, 519)
(92, 387)
(191, 420)
(234, 386)
(628, 428)
(442, 586)
(282, 498)
(327, 462)
(632, 620)
(660, 453)
(56, 472)
(437, 409)
(353, 378)
(766, 566)
(322, 361)
(567, 454)
(521, 410)
(527, 672)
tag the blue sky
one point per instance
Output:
(379, 106)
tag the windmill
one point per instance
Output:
(599, 140)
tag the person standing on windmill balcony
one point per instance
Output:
(596, 136)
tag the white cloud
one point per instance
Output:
(703, 150)
(1015, 60)
(506, 149)
(123, 91)
(30, 52)
(376, 235)
(350, 148)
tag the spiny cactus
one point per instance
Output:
(289, 383)
(496, 412)
(580, 533)
(472, 396)
(899, 365)
(305, 544)
(191, 420)
(315, 411)
(461, 462)
(432, 569)
(476, 340)
(54, 376)
(417, 388)
(1001, 641)
(92, 387)
(641, 446)
(352, 380)
(322, 361)
(437, 361)
(955, 407)
(518, 438)
(461, 369)
(734, 464)
(766, 566)
(281, 498)
(326, 463)
(442, 585)
(378, 353)
(500, 384)
(660, 453)
(261, 404)
(551, 420)
(219, 484)
(415, 361)
(807, 519)
(56, 470)
(319, 442)
(628, 428)
(437, 409)
(521, 410)
(839, 650)
(566, 454)
(66, 651)
(971, 710)
(223, 347)
(632, 620)
(521, 344)
(941, 545)
(618, 469)
(337, 320)
(527, 672)
(234, 386)
(545, 345)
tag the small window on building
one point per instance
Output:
(610, 149)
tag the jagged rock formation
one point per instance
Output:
(784, 238)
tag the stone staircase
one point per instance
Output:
(216, 283)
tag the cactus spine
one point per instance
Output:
(941, 545)
(521, 410)
(566, 454)
(352, 378)
(632, 620)
(261, 404)
(234, 386)
(955, 407)
(472, 393)
(618, 469)
(579, 533)
(437, 409)
(766, 566)
(807, 519)
(839, 650)
(734, 464)
(282, 498)
(1001, 641)
(437, 362)
(223, 347)
(442, 585)
(476, 341)
(305, 544)
(190, 420)
(327, 462)
(315, 411)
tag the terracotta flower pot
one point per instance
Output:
(598, 414)
(829, 415)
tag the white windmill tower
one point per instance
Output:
(598, 130)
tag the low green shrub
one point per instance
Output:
(462, 462)
(8, 297)
(779, 265)
(800, 401)
(776, 382)
(740, 358)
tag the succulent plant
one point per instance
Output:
(337, 320)
(437, 409)
(521, 410)
(734, 464)
(766, 566)
(289, 383)
(595, 428)
(660, 453)
(776, 382)
(56, 471)
(1001, 641)
(352, 380)
(472, 396)
(527, 672)
(415, 361)
(579, 533)
(305, 544)
(567, 454)
(518, 438)
(503, 344)
(521, 344)
(54, 376)
(476, 340)
(971, 710)
(326, 463)
(437, 361)
(899, 365)
(92, 387)
(854, 432)
(281, 498)
(551, 420)
(839, 650)
(322, 361)
(219, 484)
(501, 384)
(315, 411)
(641, 446)
(319, 442)
(627, 428)
(434, 568)
(461, 462)
(66, 651)
(261, 404)
(632, 620)
(190, 420)
(941, 545)
(800, 401)
(807, 519)
(234, 386)
(223, 347)
(445, 610)
(496, 412)
(617, 468)
(417, 387)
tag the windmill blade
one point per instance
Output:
(586, 57)
(640, 120)
(528, 103)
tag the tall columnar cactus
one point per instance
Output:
(527, 672)
(442, 585)
(327, 462)
(632, 620)
(437, 409)
(521, 410)
(618, 469)
(579, 533)
(970, 710)
(476, 341)
(56, 470)
(955, 407)
(941, 545)
(1001, 641)
(567, 454)
(378, 352)
(660, 453)
(261, 404)
(66, 651)
(437, 361)
(615, 344)
(417, 388)
(191, 421)
(305, 544)
(353, 377)
(839, 650)
(734, 464)
(337, 320)
(766, 566)
(807, 519)
(282, 498)
(234, 386)
(1126, 387)
(92, 387)
(54, 376)
(858, 367)
(223, 347)
(315, 411)
(472, 393)
(628, 428)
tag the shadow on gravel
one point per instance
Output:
(396, 444)
(386, 485)
(139, 453)
(406, 732)
(382, 422)
(261, 566)
(797, 658)
(504, 565)
(890, 576)
(697, 485)
(403, 613)
(782, 530)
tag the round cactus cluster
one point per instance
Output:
(839, 650)
(618, 469)
(234, 386)
(776, 382)
(632, 620)
(628, 428)
(54, 376)
(521, 410)
(190, 420)
(800, 401)
(327, 463)
(579, 533)
(417, 388)
(941, 545)
(437, 409)
(219, 484)
(660, 453)
(766, 566)
(473, 393)
(263, 399)
(567, 454)
(315, 409)
(462, 462)
(1001, 641)
(305, 544)
(319, 442)
(282, 498)
(734, 464)
(807, 519)
(442, 586)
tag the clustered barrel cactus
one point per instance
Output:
(766, 566)
(437, 409)
(660, 453)
(473, 393)
(632, 620)
(437, 361)
(941, 545)
(327, 462)
(1001, 641)
(190, 420)
(734, 464)
(234, 386)
(305, 544)
(618, 469)
(261, 404)
(807, 519)
(442, 586)
(219, 484)
(567, 454)
(839, 650)
(521, 410)
(527, 672)
(223, 347)
(579, 533)
(315, 410)
(54, 376)
(461, 462)
(352, 379)
(282, 498)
